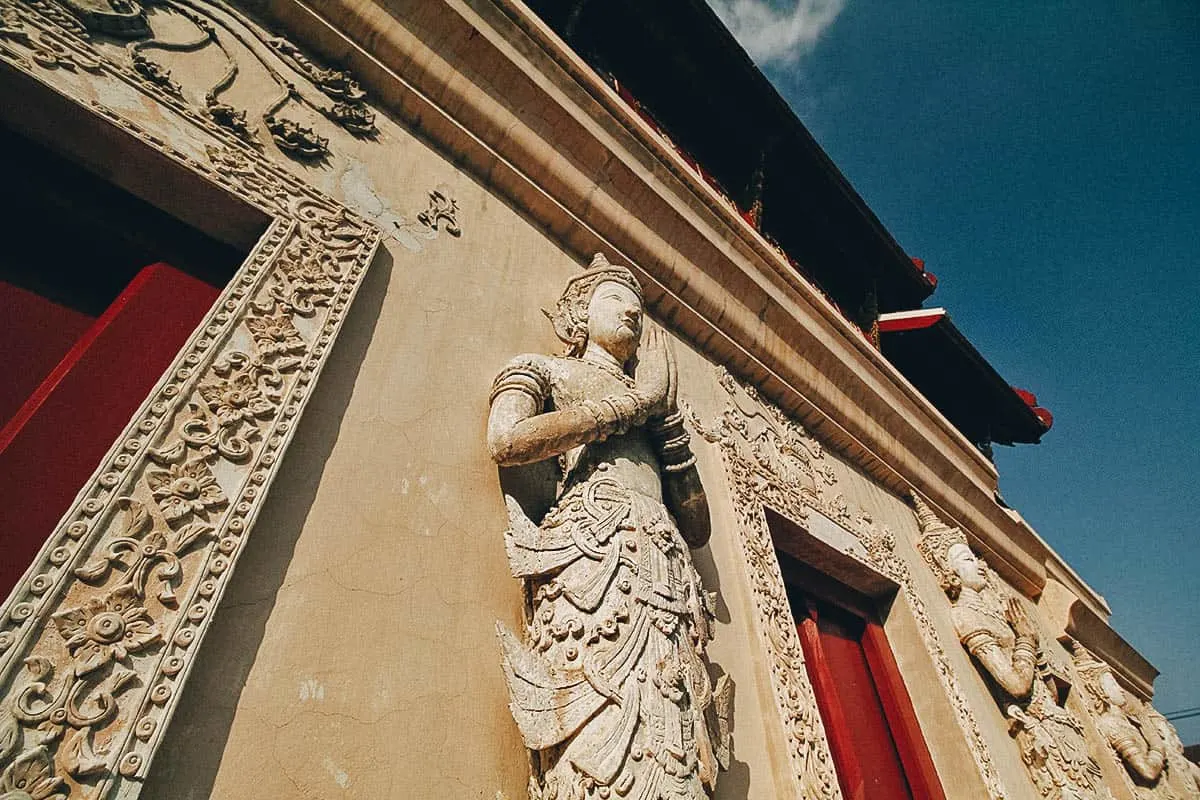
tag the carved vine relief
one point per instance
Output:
(153, 27)
(1004, 643)
(97, 639)
(772, 461)
(610, 685)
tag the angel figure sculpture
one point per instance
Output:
(610, 685)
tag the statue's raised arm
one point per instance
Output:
(545, 406)
(610, 684)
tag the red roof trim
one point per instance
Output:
(910, 320)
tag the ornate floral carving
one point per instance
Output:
(296, 139)
(226, 116)
(18, 26)
(442, 209)
(185, 489)
(772, 461)
(159, 75)
(219, 26)
(349, 109)
(276, 335)
(122, 18)
(95, 643)
(1003, 642)
(236, 399)
(106, 628)
(31, 776)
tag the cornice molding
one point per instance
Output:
(490, 85)
(1094, 633)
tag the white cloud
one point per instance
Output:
(771, 33)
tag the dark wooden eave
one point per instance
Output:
(691, 76)
(942, 363)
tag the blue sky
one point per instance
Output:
(1044, 159)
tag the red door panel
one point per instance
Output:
(874, 737)
(54, 442)
(35, 333)
(841, 642)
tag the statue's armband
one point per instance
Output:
(526, 374)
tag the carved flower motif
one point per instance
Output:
(184, 489)
(31, 777)
(307, 274)
(275, 335)
(104, 629)
(236, 399)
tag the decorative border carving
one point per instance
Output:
(772, 460)
(297, 79)
(98, 638)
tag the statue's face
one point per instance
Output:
(1112, 689)
(615, 320)
(970, 570)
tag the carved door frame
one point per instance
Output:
(774, 466)
(99, 636)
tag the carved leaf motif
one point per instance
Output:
(95, 570)
(10, 735)
(190, 535)
(78, 756)
(169, 454)
(31, 776)
(137, 518)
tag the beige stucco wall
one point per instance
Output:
(361, 619)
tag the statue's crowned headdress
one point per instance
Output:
(1090, 670)
(569, 316)
(935, 542)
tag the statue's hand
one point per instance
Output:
(655, 372)
(672, 376)
(1019, 619)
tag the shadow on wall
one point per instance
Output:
(189, 758)
(733, 783)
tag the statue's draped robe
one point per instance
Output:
(610, 682)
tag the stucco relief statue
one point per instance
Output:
(1054, 748)
(990, 623)
(611, 683)
(1126, 725)
(1178, 763)
(1003, 642)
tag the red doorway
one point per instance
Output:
(90, 317)
(875, 739)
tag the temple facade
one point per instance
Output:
(488, 400)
